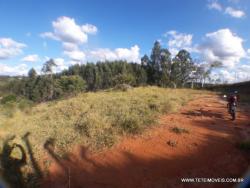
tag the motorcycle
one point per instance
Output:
(232, 110)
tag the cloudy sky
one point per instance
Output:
(77, 31)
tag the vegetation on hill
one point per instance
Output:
(243, 89)
(161, 69)
(94, 119)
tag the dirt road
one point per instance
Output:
(160, 157)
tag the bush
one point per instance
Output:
(105, 138)
(130, 124)
(122, 87)
(124, 79)
(72, 84)
(9, 99)
(24, 104)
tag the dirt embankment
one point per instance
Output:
(161, 157)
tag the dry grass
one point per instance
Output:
(94, 119)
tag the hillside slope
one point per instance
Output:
(163, 155)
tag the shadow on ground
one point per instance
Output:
(11, 166)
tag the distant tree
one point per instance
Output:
(48, 66)
(165, 67)
(182, 68)
(32, 73)
(70, 84)
(89, 76)
(156, 62)
(124, 79)
(204, 70)
(107, 76)
(145, 61)
(47, 69)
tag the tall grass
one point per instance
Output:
(94, 119)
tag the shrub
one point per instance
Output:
(130, 124)
(72, 83)
(124, 79)
(25, 104)
(179, 130)
(105, 138)
(122, 87)
(9, 99)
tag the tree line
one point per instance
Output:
(159, 69)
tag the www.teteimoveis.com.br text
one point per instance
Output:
(212, 180)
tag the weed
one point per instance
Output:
(172, 143)
(179, 130)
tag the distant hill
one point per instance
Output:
(242, 87)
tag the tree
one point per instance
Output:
(145, 61)
(70, 84)
(182, 68)
(32, 73)
(48, 66)
(49, 85)
(165, 67)
(204, 70)
(156, 62)
(89, 76)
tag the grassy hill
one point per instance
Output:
(94, 119)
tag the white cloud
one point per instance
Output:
(31, 58)
(89, 29)
(71, 35)
(224, 46)
(130, 55)
(234, 13)
(215, 5)
(60, 65)
(227, 76)
(178, 41)
(238, 74)
(21, 69)
(49, 35)
(10, 48)
(67, 30)
(69, 46)
(75, 55)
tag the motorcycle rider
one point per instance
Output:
(233, 99)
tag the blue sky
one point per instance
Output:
(77, 31)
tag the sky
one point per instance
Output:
(79, 31)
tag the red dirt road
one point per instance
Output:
(148, 161)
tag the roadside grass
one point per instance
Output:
(93, 119)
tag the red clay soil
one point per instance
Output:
(149, 161)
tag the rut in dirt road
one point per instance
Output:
(206, 149)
